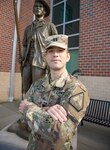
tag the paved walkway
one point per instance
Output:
(93, 137)
(90, 136)
(8, 113)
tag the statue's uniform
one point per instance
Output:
(48, 134)
(34, 51)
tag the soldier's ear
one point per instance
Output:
(68, 56)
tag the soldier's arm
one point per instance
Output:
(45, 125)
(28, 101)
(77, 103)
(74, 108)
(48, 126)
(58, 129)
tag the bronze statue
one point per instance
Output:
(33, 55)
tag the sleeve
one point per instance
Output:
(30, 92)
(25, 41)
(53, 131)
(24, 44)
(77, 103)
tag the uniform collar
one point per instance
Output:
(60, 82)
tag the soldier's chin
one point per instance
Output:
(56, 68)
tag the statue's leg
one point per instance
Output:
(37, 73)
(21, 128)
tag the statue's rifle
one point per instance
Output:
(18, 37)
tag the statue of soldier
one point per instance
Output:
(33, 58)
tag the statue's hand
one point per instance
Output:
(20, 60)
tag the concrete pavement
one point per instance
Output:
(93, 137)
(90, 136)
(8, 113)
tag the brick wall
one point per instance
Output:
(94, 59)
(7, 25)
(6, 34)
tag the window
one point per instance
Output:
(65, 15)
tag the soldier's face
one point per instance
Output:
(39, 9)
(57, 58)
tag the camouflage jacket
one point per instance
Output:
(47, 133)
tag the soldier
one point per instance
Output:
(55, 104)
(33, 45)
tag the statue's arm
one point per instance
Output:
(24, 47)
(53, 29)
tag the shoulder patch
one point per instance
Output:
(77, 101)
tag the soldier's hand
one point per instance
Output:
(24, 105)
(57, 112)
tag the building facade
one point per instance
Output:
(86, 22)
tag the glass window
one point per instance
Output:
(69, 13)
(72, 28)
(72, 6)
(73, 41)
(58, 14)
(72, 65)
(56, 1)
(60, 29)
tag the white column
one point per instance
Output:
(11, 86)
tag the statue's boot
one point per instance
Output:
(13, 128)
(21, 129)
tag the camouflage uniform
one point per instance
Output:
(48, 134)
